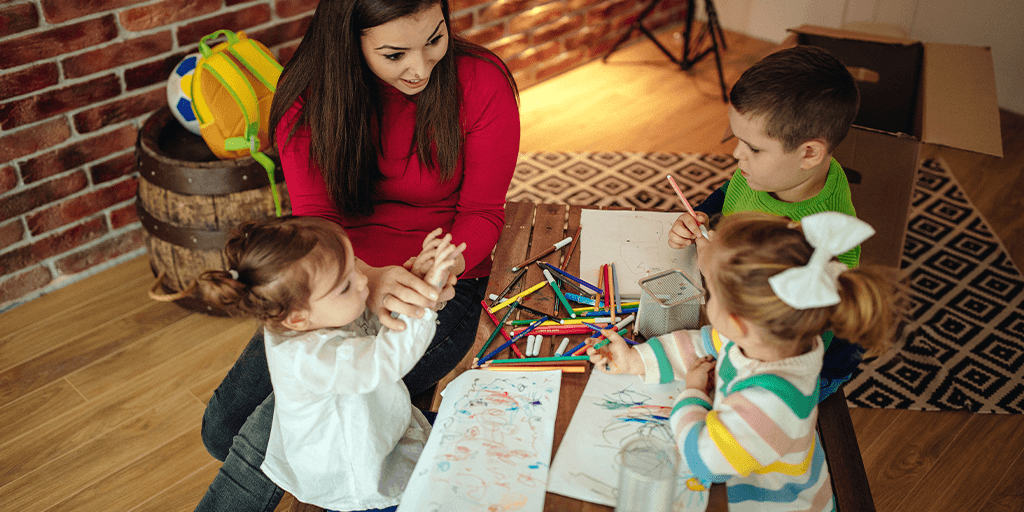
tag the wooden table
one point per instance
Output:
(532, 228)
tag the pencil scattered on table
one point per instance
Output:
(572, 248)
(558, 293)
(544, 253)
(519, 295)
(514, 339)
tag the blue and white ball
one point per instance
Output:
(179, 88)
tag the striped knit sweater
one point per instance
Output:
(834, 197)
(758, 435)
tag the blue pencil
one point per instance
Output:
(574, 278)
(511, 341)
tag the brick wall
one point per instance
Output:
(79, 77)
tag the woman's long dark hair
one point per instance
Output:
(344, 105)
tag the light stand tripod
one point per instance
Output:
(692, 53)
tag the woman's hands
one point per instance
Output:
(701, 375)
(616, 357)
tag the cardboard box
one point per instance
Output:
(911, 93)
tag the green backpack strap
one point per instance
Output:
(267, 71)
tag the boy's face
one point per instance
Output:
(764, 163)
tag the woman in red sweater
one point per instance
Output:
(390, 125)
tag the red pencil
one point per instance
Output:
(501, 327)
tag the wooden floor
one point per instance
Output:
(102, 390)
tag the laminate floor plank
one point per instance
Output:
(36, 408)
(898, 460)
(870, 424)
(72, 472)
(968, 471)
(72, 429)
(133, 484)
(1009, 492)
(150, 352)
(56, 330)
(130, 274)
(81, 351)
(183, 495)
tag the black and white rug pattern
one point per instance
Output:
(961, 342)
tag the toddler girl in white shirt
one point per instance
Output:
(345, 434)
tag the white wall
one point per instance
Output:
(998, 24)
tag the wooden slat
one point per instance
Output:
(48, 485)
(510, 249)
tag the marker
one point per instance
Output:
(617, 304)
(500, 328)
(510, 284)
(558, 293)
(530, 340)
(703, 230)
(568, 255)
(573, 278)
(547, 251)
(536, 345)
(518, 296)
(562, 346)
(514, 339)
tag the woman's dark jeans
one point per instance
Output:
(236, 425)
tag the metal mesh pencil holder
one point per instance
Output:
(669, 301)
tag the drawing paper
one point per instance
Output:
(490, 448)
(614, 410)
(636, 242)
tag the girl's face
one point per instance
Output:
(403, 52)
(335, 305)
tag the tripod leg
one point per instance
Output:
(718, 63)
(713, 22)
(638, 24)
(658, 44)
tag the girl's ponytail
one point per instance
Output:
(866, 313)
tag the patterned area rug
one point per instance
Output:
(961, 344)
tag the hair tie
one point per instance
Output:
(816, 285)
(234, 274)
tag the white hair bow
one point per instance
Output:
(815, 285)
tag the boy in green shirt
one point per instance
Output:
(789, 111)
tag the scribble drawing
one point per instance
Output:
(635, 416)
(495, 444)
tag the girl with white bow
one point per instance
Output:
(747, 416)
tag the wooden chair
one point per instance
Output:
(845, 465)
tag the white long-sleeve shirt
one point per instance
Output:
(345, 434)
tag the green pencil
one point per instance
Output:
(539, 359)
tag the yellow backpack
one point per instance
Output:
(232, 88)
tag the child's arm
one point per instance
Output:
(752, 428)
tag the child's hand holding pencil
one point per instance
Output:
(615, 356)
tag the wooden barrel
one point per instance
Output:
(188, 202)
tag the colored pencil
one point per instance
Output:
(510, 284)
(618, 291)
(518, 296)
(531, 311)
(575, 351)
(561, 277)
(620, 326)
(538, 360)
(558, 293)
(558, 245)
(514, 339)
(501, 326)
(572, 247)
(703, 230)
(494, 334)
(562, 368)
(571, 277)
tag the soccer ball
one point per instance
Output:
(179, 90)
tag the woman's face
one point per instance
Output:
(403, 52)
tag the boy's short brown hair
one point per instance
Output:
(802, 93)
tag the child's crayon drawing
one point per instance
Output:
(490, 448)
(614, 410)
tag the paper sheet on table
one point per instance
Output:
(490, 448)
(614, 410)
(636, 242)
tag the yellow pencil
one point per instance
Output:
(524, 293)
